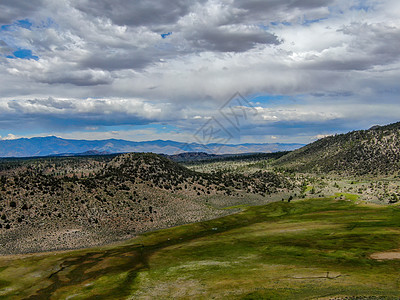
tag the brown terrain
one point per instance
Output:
(66, 203)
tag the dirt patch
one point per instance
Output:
(386, 255)
(327, 275)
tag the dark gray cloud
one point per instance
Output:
(262, 6)
(272, 9)
(84, 78)
(138, 12)
(372, 45)
(5, 49)
(12, 10)
(378, 40)
(307, 4)
(117, 61)
(230, 39)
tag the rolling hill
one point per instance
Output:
(72, 202)
(374, 151)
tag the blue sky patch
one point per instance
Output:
(20, 23)
(362, 5)
(24, 24)
(165, 35)
(271, 100)
(281, 23)
(5, 27)
(308, 22)
(23, 54)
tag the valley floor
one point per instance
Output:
(323, 248)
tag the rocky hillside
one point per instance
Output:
(64, 203)
(202, 157)
(374, 151)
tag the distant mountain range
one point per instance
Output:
(46, 146)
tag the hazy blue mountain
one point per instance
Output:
(43, 146)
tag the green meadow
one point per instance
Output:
(307, 249)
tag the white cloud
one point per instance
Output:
(338, 58)
(9, 136)
(320, 136)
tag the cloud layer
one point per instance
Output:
(309, 67)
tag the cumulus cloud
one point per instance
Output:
(110, 64)
(231, 38)
(94, 111)
(137, 13)
(321, 136)
(9, 136)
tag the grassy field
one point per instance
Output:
(308, 249)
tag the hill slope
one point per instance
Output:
(45, 146)
(63, 203)
(373, 151)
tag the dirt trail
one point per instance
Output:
(386, 255)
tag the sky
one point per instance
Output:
(234, 71)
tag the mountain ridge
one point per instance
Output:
(52, 145)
